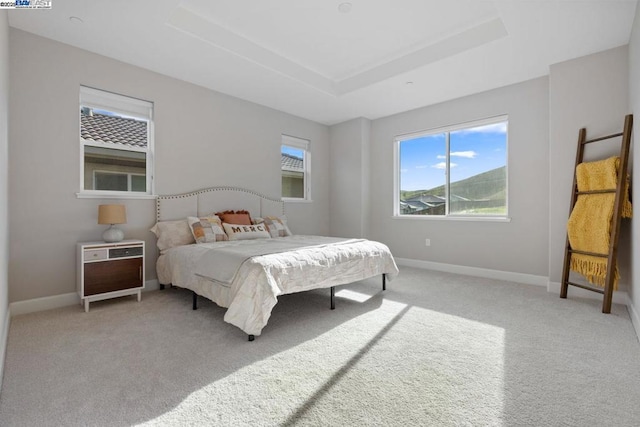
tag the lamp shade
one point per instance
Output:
(112, 214)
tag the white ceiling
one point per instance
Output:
(307, 58)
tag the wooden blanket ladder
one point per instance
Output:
(611, 255)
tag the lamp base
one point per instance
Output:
(112, 234)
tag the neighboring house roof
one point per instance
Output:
(291, 163)
(461, 199)
(418, 205)
(113, 129)
(428, 199)
(131, 132)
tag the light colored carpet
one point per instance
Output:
(435, 349)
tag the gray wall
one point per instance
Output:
(349, 177)
(517, 246)
(202, 138)
(4, 178)
(590, 92)
(634, 107)
(206, 138)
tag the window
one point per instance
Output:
(454, 171)
(295, 161)
(116, 142)
(118, 181)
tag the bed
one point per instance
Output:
(247, 275)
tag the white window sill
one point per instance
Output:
(454, 218)
(108, 195)
(287, 200)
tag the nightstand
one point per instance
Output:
(109, 270)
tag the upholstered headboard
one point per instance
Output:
(215, 199)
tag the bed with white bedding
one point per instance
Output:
(247, 276)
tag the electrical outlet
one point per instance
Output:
(427, 242)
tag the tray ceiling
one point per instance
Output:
(313, 60)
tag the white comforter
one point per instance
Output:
(251, 294)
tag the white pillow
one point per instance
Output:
(172, 233)
(246, 232)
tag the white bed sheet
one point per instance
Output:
(253, 292)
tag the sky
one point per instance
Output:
(473, 151)
(297, 152)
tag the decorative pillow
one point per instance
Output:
(172, 233)
(277, 226)
(246, 232)
(237, 217)
(207, 230)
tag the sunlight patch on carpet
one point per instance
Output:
(397, 364)
(429, 367)
(352, 295)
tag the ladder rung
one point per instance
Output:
(589, 288)
(580, 193)
(603, 138)
(574, 251)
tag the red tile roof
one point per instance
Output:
(292, 163)
(113, 129)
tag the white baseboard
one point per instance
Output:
(635, 319)
(528, 279)
(57, 301)
(619, 297)
(151, 285)
(3, 343)
(44, 303)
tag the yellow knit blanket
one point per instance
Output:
(589, 225)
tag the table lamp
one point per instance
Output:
(112, 214)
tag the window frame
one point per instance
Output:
(129, 176)
(448, 129)
(305, 146)
(128, 107)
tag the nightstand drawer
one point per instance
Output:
(125, 252)
(96, 254)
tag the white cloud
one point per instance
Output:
(404, 170)
(465, 154)
(443, 165)
(493, 128)
(497, 128)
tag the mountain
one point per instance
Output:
(490, 185)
